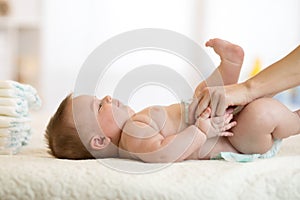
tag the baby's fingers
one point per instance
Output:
(219, 120)
(229, 126)
(226, 134)
(228, 118)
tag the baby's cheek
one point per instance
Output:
(117, 118)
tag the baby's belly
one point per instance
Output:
(214, 146)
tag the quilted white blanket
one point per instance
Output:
(34, 174)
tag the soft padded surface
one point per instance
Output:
(34, 174)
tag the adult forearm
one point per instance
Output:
(276, 78)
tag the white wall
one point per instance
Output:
(266, 29)
(74, 28)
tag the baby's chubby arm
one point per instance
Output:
(144, 140)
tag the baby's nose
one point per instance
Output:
(108, 99)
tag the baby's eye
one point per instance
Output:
(100, 105)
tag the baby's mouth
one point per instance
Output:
(117, 103)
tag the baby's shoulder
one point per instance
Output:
(140, 118)
(138, 130)
(139, 123)
(154, 116)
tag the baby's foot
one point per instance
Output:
(229, 53)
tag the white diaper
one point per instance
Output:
(237, 157)
(15, 101)
(14, 111)
(12, 89)
(8, 122)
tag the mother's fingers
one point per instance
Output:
(217, 102)
(221, 108)
(204, 101)
(213, 97)
(206, 114)
(203, 104)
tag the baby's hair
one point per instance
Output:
(62, 136)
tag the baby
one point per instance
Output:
(107, 128)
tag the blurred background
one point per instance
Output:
(45, 42)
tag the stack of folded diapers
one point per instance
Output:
(16, 100)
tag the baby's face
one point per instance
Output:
(106, 115)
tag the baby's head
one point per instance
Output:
(85, 127)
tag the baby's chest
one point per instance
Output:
(160, 121)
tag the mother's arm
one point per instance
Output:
(280, 76)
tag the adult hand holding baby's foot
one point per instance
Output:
(215, 126)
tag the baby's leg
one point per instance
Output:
(228, 72)
(260, 122)
(231, 56)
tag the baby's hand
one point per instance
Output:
(215, 126)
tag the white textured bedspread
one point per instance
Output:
(34, 174)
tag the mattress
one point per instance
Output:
(34, 174)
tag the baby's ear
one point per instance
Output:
(99, 142)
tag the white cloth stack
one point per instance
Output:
(16, 100)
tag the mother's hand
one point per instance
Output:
(218, 98)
